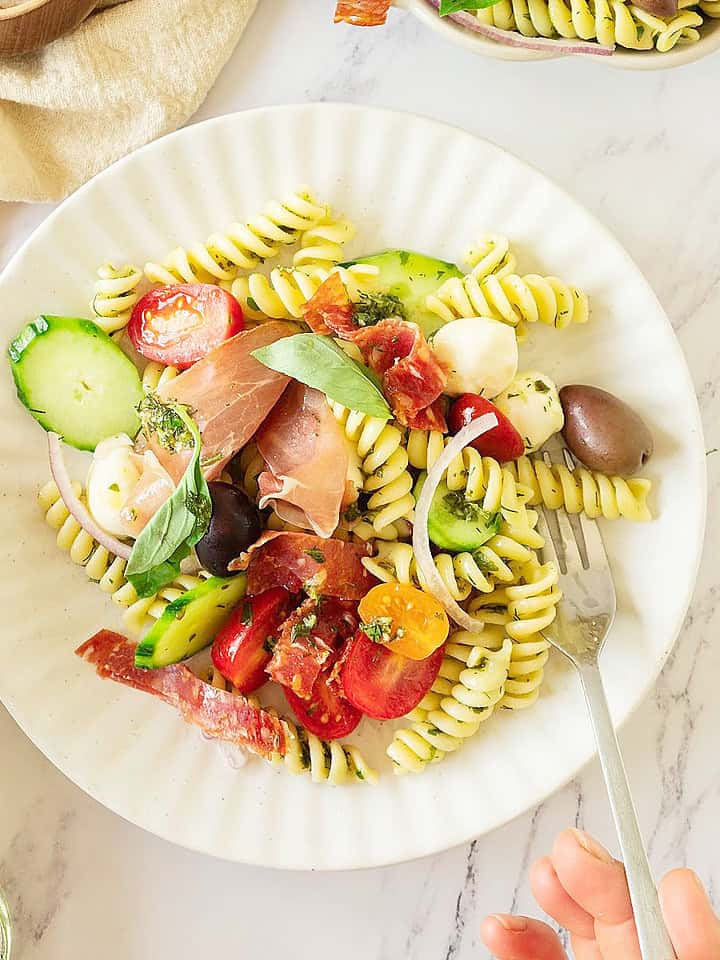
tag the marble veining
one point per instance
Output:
(640, 151)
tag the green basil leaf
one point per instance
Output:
(453, 6)
(176, 527)
(317, 361)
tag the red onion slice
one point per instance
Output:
(76, 507)
(512, 38)
(421, 540)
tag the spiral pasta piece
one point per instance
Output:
(511, 299)
(116, 293)
(525, 608)
(323, 245)
(491, 254)
(156, 375)
(470, 684)
(243, 246)
(383, 459)
(609, 22)
(107, 570)
(283, 294)
(582, 490)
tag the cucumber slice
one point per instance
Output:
(191, 622)
(456, 523)
(412, 277)
(75, 380)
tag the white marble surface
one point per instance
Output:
(640, 150)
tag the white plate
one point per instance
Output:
(408, 182)
(681, 54)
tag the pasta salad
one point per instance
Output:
(322, 475)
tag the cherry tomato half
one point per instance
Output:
(327, 713)
(501, 443)
(179, 324)
(240, 651)
(407, 620)
(383, 684)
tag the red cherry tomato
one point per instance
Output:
(501, 443)
(327, 713)
(241, 650)
(383, 684)
(177, 325)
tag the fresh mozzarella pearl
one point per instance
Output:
(110, 481)
(479, 355)
(532, 405)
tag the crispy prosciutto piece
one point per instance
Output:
(412, 378)
(219, 714)
(330, 310)
(330, 567)
(362, 13)
(307, 641)
(307, 460)
(230, 393)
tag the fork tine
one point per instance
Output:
(596, 553)
(573, 560)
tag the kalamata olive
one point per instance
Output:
(603, 432)
(659, 8)
(234, 526)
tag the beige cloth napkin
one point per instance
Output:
(127, 75)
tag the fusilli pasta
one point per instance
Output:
(470, 684)
(157, 375)
(510, 298)
(243, 246)
(607, 21)
(116, 294)
(491, 254)
(581, 490)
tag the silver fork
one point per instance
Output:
(588, 610)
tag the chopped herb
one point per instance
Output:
(352, 513)
(269, 644)
(378, 629)
(541, 386)
(404, 257)
(114, 488)
(374, 307)
(252, 303)
(433, 731)
(164, 420)
(528, 442)
(316, 554)
(247, 614)
(481, 664)
(359, 774)
(303, 628)
(711, 450)
(484, 563)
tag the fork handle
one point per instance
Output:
(654, 941)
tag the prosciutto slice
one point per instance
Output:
(362, 13)
(219, 714)
(230, 393)
(293, 560)
(307, 460)
(308, 639)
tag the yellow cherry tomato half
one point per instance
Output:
(406, 620)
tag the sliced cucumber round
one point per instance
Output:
(456, 523)
(75, 380)
(191, 622)
(412, 277)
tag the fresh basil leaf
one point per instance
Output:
(317, 361)
(453, 6)
(176, 527)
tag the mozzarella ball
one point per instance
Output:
(479, 355)
(111, 479)
(531, 403)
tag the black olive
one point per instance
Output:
(234, 525)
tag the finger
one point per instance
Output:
(597, 882)
(591, 877)
(519, 938)
(585, 949)
(692, 925)
(557, 902)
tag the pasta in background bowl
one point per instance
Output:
(139, 758)
(704, 40)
